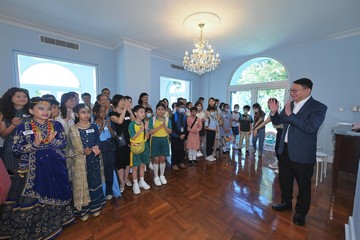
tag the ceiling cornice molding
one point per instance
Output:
(345, 34)
(132, 42)
(167, 58)
(72, 37)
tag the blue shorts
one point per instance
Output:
(235, 130)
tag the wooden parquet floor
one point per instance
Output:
(230, 198)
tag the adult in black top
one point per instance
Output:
(120, 120)
(259, 117)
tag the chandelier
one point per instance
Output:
(202, 58)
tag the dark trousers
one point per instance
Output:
(210, 139)
(277, 142)
(109, 158)
(288, 171)
(177, 151)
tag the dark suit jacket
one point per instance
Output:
(302, 135)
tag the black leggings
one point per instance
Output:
(210, 139)
(177, 151)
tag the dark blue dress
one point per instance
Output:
(90, 138)
(38, 204)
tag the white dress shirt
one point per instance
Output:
(296, 109)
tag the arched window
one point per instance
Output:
(172, 89)
(41, 75)
(257, 80)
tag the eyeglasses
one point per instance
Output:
(295, 90)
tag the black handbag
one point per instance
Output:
(120, 140)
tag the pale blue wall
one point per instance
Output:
(161, 67)
(127, 69)
(333, 65)
(135, 70)
(25, 40)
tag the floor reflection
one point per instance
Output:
(252, 189)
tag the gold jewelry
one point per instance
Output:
(87, 126)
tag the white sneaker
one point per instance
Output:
(151, 166)
(210, 158)
(109, 197)
(199, 154)
(276, 171)
(273, 165)
(136, 188)
(128, 183)
(157, 181)
(163, 180)
(144, 185)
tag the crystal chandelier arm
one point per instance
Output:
(201, 60)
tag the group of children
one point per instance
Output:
(60, 155)
(233, 127)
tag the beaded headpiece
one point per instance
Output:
(45, 103)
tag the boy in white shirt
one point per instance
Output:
(235, 118)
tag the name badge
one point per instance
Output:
(28, 132)
(127, 118)
(90, 130)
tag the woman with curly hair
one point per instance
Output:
(15, 106)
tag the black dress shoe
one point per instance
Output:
(282, 206)
(299, 219)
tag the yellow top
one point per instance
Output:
(161, 132)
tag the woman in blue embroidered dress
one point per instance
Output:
(38, 204)
(88, 171)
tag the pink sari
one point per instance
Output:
(4, 182)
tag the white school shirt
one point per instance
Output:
(235, 116)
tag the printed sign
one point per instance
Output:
(269, 143)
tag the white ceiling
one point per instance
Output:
(247, 26)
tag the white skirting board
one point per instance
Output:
(350, 230)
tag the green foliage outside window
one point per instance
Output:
(266, 70)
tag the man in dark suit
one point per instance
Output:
(302, 118)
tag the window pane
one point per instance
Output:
(259, 70)
(264, 95)
(240, 97)
(172, 89)
(49, 76)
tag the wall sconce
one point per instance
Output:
(356, 108)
